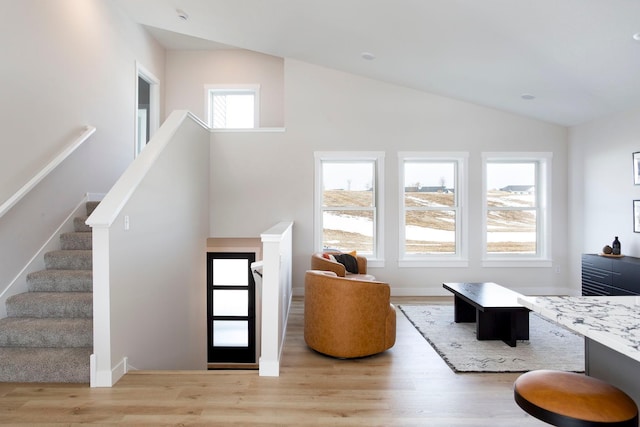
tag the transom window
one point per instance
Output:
(516, 206)
(348, 201)
(233, 107)
(432, 207)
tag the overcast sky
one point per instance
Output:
(359, 176)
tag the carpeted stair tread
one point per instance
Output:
(60, 365)
(50, 304)
(68, 260)
(91, 206)
(60, 281)
(76, 240)
(48, 332)
(80, 225)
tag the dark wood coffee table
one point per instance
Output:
(494, 308)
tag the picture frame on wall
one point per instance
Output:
(636, 168)
(636, 216)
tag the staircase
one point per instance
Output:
(47, 335)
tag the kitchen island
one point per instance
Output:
(611, 328)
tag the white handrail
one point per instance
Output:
(11, 201)
(105, 214)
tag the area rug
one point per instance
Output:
(550, 346)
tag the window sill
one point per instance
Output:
(375, 263)
(432, 263)
(515, 263)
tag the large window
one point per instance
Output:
(348, 202)
(233, 107)
(433, 215)
(517, 189)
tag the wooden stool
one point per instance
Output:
(567, 399)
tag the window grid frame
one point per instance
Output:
(232, 89)
(460, 257)
(376, 258)
(542, 209)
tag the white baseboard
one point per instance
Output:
(92, 371)
(107, 378)
(269, 368)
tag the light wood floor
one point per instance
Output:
(408, 385)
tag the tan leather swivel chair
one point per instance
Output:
(347, 318)
(318, 262)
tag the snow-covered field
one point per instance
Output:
(433, 230)
(363, 226)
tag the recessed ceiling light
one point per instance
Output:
(368, 56)
(527, 96)
(636, 37)
(182, 14)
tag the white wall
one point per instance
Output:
(64, 64)
(189, 71)
(602, 188)
(159, 302)
(150, 278)
(259, 179)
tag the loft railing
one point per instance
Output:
(57, 160)
(276, 294)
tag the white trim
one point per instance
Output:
(433, 263)
(92, 371)
(154, 105)
(378, 157)
(256, 130)
(54, 163)
(106, 378)
(232, 88)
(544, 184)
(460, 259)
(276, 295)
(276, 233)
(517, 263)
(102, 374)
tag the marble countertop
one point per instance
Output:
(611, 321)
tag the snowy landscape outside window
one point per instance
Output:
(433, 214)
(430, 207)
(516, 199)
(348, 199)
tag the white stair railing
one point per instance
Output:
(57, 160)
(276, 295)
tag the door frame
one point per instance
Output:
(223, 354)
(154, 106)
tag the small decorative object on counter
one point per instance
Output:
(607, 250)
(615, 246)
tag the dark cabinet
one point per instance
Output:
(605, 276)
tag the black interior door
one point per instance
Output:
(231, 307)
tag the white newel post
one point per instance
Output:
(101, 375)
(273, 326)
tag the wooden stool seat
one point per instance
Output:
(574, 400)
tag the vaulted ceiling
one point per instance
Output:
(578, 59)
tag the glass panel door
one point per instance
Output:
(231, 308)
